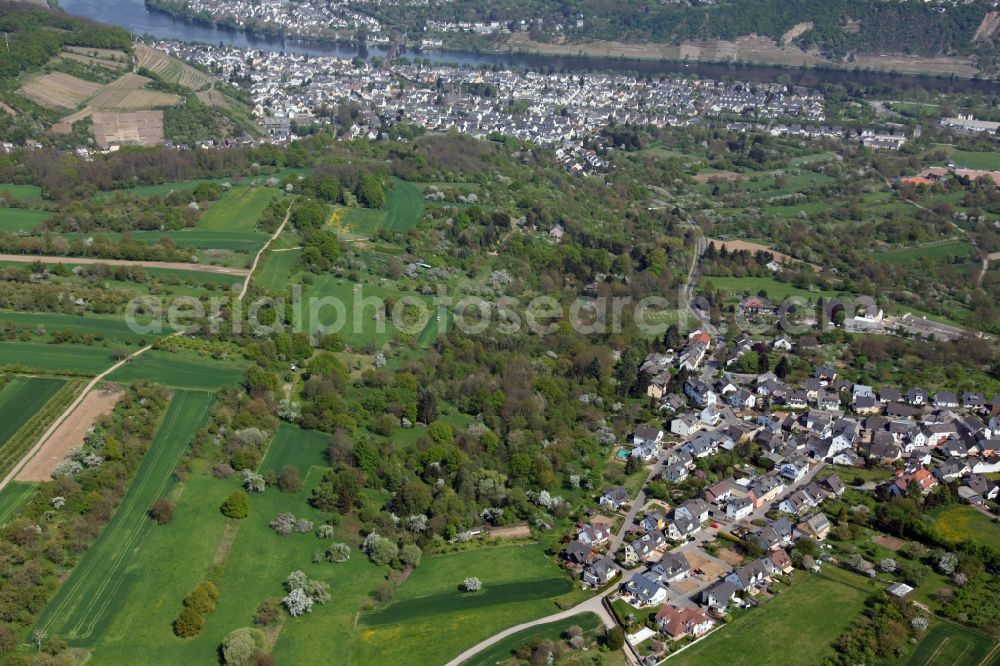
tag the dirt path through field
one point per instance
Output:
(172, 265)
(69, 435)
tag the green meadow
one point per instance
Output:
(114, 329)
(103, 582)
(13, 220)
(182, 370)
(70, 359)
(789, 621)
(20, 399)
(13, 496)
(23, 192)
(237, 210)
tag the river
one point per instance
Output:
(134, 16)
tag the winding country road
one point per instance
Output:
(593, 605)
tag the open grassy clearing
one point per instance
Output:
(67, 359)
(776, 291)
(960, 521)
(197, 239)
(404, 204)
(297, 447)
(503, 650)
(182, 370)
(937, 251)
(356, 222)
(14, 220)
(94, 591)
(971, 160)
(13, 496)
(949, 644)
(277, 269)
(22, 192)
(358, 325)
(112, 329)
(237, 210)
(788, 622)
(430, 620)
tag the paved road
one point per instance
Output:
(640, 501)
(593, 605)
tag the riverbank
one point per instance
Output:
(749, 50)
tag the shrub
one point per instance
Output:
(379, 550)
(616, 639)
(268, 612)
(241, 647)
(189, 623)
(288, 480)
(162, 511)
(472, 584)
(338, 552)
(237, 505)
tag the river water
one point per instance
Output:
(134, 16)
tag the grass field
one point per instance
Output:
(277, 269)
(237, 210)
(297, 447)
(776, 291)
(948, 644)
(788, 623)
(197, 238)
(552, 631)
(12, 496)
(969, 160)
(430, 620)
(359, 326)
(13, 220)
(113, 329)
(960, 521)
(20, 399)
(936, 251)
(72, 359)
(404, 204)
(94, 592)
(160, 189)
(182, 370)
(22, 192)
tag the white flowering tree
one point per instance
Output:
(297, 602)
(253, 481)
(472, 584)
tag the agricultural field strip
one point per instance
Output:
(171, 265)
(20, 399)
(91, 588)
(14, 496)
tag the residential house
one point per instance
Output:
(739, 508)
(674, 566)
(700, 392)
(594, 536)
(684, 425)
(675, 473)
(678, 623)
(748, 576)
(578, 553)
(600, 571)
(615, 498)
(695, 509)
(719, 596)
(816, 527)
(794, 470)
(796, 503)
(645, 591)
